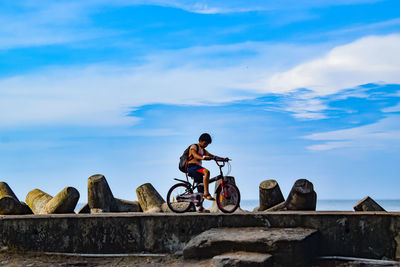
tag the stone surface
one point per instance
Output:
(289, 246)
(64, 202)
(37, 199)
(270, 194)
(243, 259)
(99, 193)
(368, 204)
(150, 200)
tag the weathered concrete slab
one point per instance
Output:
(374, 235)
(243, 259)
(289, 246)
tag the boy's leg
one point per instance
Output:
(206, 180)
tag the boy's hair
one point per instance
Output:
(205, 137)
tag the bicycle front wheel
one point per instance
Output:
(228, 198)
(178, 198)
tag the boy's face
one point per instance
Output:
(203, 144)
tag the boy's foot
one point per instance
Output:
(203, 210)
(208, 197)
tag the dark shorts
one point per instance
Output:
(196, 172)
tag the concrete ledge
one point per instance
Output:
(354, 234)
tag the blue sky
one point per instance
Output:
(288, 90)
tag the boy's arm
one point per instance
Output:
(193, 152)
(208, 154)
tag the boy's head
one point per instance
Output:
(205, 140)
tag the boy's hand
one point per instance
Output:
(208, 158)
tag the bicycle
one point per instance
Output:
(181, 197)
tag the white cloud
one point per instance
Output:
(374, 59)
(380, 135)
(103, 94)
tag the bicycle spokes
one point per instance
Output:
(228, 198)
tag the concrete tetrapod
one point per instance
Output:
(149, 199)
(63, 202)
(9, 203)
(37, 199)
(122, 205)
(368, 204)
(301, 197)
(270, 195)
(100, 197)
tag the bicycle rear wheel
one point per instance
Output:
(178, 198)
(228, 198)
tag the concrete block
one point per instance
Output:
(289, 246)
(243, 259)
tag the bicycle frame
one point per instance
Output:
(224, 191)
(194, 185)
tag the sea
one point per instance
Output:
(334, 204)
(322, 204)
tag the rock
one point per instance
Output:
(9, 203)
(84, 209)
(99, 193)
(37, 199)
(63, 202)
(122, 205)
(270, 194)
(289, 246)
(368, 204)
(150, 200)
(301, 197)
(243, 259)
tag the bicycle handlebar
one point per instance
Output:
(221, 159)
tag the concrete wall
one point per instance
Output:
(357, 234)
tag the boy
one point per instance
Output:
(197, 153)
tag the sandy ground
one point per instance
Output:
(34, 259)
